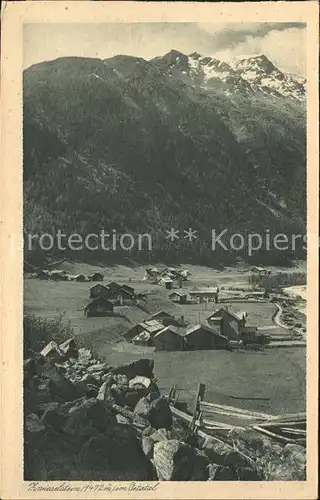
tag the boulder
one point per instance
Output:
(222, 453)
(156, 409)
(147, 446)
(115, 456)
(53, 419)
(88, 418)
(142, 367)
(220, 473)
(176, 461)
(160, 435)
(99, 367)
(140, 381)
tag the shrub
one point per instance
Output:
(37, 332)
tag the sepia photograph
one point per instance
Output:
(164, 316)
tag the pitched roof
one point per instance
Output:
(237, 315)
(177, 292)
(172, 329)
(162, 313)
(204, 327)
(151, 325)
(99, 285)
(99, 299)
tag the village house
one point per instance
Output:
(202, 337)
(167, 319)
(95, 277)
(209, 293)
(98, 307)
(166, 282)
(169, 339)
(80, 278)
(228, 322)
(248, 334)
(151, 327)
(179, 297)
(128, 289)
(99, 291)
(43, 275)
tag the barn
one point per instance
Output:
(169, 339)
(99, 291)
(202, 337)
(95, 277)
(179, 297)
(228, 321)
(99, 307)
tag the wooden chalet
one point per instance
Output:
(167, 319)
(99, 291)
(228, 322)
(99, 306)
(169, 339)
(179, 297)
(202, 337)
(96, 277)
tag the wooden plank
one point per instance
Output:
(206, 405)
(188, 419)
(276, 437)
(217, 411)
(199, 397)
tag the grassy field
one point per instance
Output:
(272, 380)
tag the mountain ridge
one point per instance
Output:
(141, 146)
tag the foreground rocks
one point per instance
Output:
(88, 420)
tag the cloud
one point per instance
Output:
(282, 43)
(229, 35)
(286, 49)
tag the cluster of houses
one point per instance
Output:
(103, 298)
(60, 275)
(223, 329)
(195, 295)
(169, 277)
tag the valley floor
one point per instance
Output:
(272, 380)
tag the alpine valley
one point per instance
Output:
(178, 141)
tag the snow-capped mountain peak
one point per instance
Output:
(246, 74)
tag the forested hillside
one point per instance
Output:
(140, 146)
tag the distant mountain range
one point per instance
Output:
(178, 141)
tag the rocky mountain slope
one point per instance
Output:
(179, 141)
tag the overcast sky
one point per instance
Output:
(283, 43)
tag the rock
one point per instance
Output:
(109, 378)
(99, 367)
(52, 351)
(176, 461)
(156, 409)
(140, 381)
(88, 378)
(160, 435)
(293, 461)
(33, 424)
(84, 356)
(122, 420)
(248, 474)
(91, 391)
(222, 454)
(115, 456)
(121, 379)
(53, 419)
(221, 473)
(142, 367)
(88, 418)
(69, 348)
(140, 423)
(147, 446)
